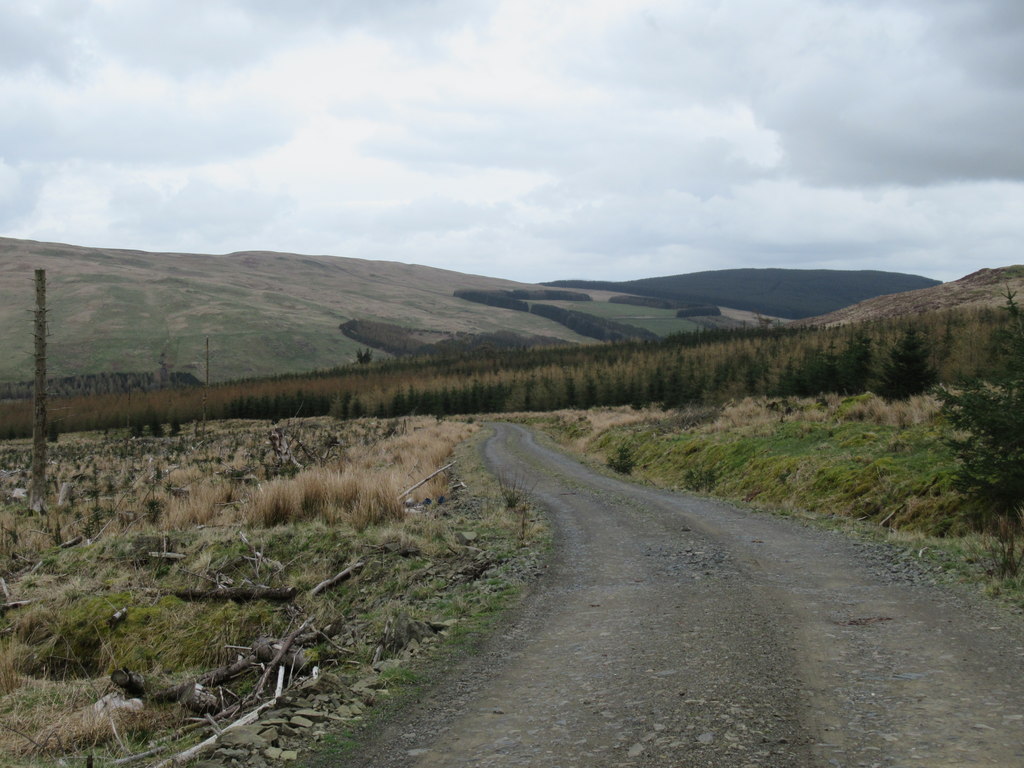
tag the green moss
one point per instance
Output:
(168, 635)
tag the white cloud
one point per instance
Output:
(522, 138)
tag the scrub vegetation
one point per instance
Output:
(107, 578)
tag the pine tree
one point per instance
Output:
(908, 370)
(991, 414)
(855, 365)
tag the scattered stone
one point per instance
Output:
(289, 754)
(300, 722)
(706, 738)
(310, 714)
(635, 750)
(273, 753)
(402, 630)
(465, 537)
(245, 736)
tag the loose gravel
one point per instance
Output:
(673, 630)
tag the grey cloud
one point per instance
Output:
(889, 92)
(164, 132)
(200, 211)
(592, 152)
(391, 17)
(435, 215)
(197, 36)
(19, 193)
(39, 36)
(947, 110)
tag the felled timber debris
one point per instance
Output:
(4, 607)
(426, 479)
(196, 695)
(239, 594)
(282, 447)
(193, 694)
(337, 578)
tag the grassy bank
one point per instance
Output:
(877, 468)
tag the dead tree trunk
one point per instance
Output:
(37, 495)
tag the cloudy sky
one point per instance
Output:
(529, 139)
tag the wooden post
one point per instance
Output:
(206, 386)
(37, 495)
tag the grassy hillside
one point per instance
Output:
(265, 313)
(789, 293)
(984, 288)
(659, 321)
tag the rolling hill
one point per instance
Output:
(265, 313)
(271, 313)
(986, 287)
(788, 293)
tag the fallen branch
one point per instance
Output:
(429, 477)
(337, 578)
(4, 607)
(309, 454)
(285, 645)
(168, 555)
(139, 756)
(239, 594)
(266, 652)
(889, 517)
(191, 693)
(191, 752)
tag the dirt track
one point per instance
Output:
(671, 630)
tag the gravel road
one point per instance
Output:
(673, 630)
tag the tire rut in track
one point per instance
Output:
(675, 630)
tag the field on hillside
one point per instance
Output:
(659, 321)
(171, 558)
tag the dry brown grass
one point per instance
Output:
(202, 497)
(753, 412)
(204, 504)
(919, 409)
(50, 718)
(10, 678)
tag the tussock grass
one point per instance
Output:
(10, 678)
(204, 504)
(238, 516)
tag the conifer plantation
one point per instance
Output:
(894, 358)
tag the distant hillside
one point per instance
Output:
(986, 287)
(789, 293)
(265, 313)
